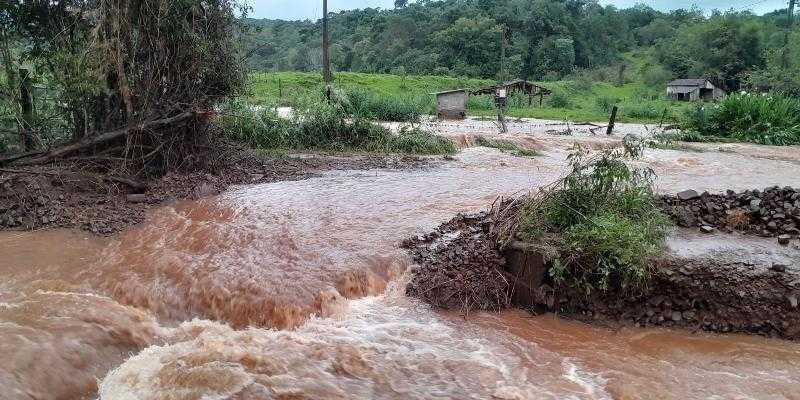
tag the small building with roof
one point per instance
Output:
(451, 104)
(527, 88)
(694, 90)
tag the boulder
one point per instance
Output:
(688, 195)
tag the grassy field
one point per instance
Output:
(572, 100)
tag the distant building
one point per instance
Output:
(693, 90)
(451, 104)
(527, 88)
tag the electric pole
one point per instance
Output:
(789, 21)
(326, 58)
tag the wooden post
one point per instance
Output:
(280, 89)
(326, 58)
(541, 98)
(26, 105)
(789, 21)
(610, 129)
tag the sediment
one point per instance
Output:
(64, 196)
(715, 282)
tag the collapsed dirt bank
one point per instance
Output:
(719, 283)
(66, 197)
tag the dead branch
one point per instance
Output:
(106, 137)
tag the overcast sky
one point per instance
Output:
(312, 9)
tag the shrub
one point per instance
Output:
(417, 141)
(559, 99)
(505, 146)
(604, 103)
(602, 220)
(319, 125)
(771, 119)
(365, 104)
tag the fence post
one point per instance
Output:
(610, 129)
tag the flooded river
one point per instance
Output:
(294, 290)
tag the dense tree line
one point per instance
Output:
(543, 39)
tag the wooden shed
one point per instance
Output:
(694, 90)
(527, 88)
(451, 104)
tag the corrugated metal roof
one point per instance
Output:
(688, 82)
(684, 89)
(450, 91)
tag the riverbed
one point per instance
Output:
(295, 290)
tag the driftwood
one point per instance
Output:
(111, 178)
(105, 137)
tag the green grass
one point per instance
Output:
(318, 125)
(602, 220)
(506, 146)
(770, 119)
(582, 101)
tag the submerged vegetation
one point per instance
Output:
(600, 224)
(505, 146)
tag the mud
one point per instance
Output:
(58, 197)
(719, 283)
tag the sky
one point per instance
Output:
(312, 9)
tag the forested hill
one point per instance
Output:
(545, 39)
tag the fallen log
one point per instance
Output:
(105, 137)
(134, 184)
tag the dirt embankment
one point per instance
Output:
(713, 282)
(66, 197)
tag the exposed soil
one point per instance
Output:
(750, 286)
(64, 196)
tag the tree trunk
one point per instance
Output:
(26, 105)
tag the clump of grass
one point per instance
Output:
(601, 222)
(418, 141)
(366, 104)
(316, 124)
(505, 146)
(759, 118)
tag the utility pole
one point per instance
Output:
(503, 54)
(789, 21)
(326, 58)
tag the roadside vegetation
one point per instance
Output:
(772, 119)
(600, 225)
(316, 124)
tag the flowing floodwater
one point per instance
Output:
(294, 290)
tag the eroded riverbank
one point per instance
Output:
(272, 255)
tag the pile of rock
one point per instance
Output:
(772, 212)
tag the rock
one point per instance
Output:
(755, 204)
(772, 225)
(688, 195)
(784, 239)
(707, 229)
(792, 300)
(688, 315)
(779, 267)
(136, 198)
(676, 316)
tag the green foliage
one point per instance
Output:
(605, 103)
(771, 119)
(366, 104)
(505, 146)
(417, 141)
(559, 99)
(604, 220)
(319, 125)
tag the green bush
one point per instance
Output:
(559, 99)
(418, 141)
(602, 219)
(319, 125)
(365, 104)
(771, 119)
(605, 103)
(506, 146)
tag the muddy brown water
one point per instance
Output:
(295, 290)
